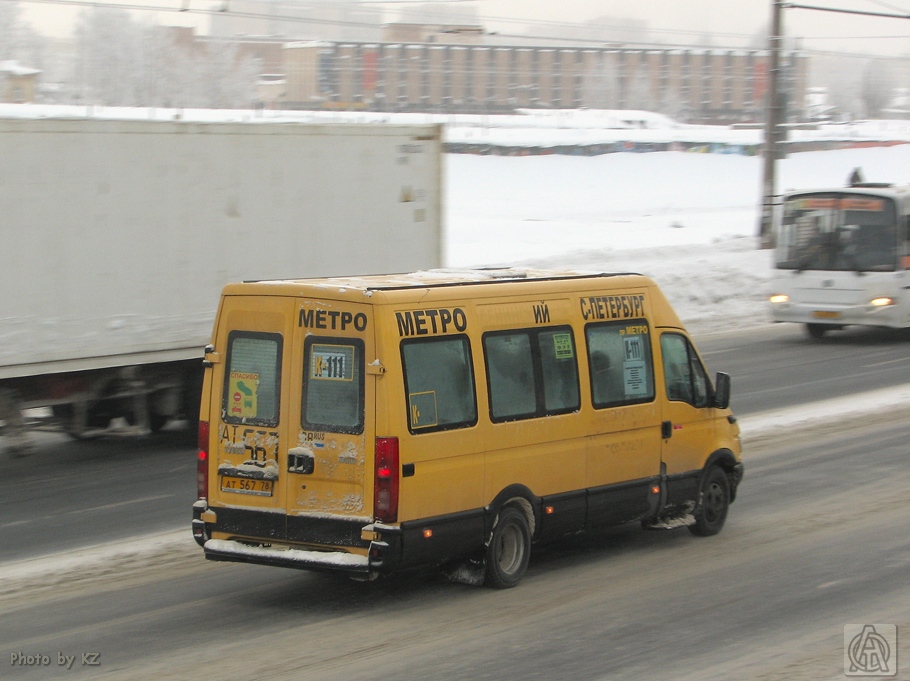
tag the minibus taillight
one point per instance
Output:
(202, 461)
(385, 495)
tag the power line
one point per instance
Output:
(793, 5)
(886, 5)
(224, 10)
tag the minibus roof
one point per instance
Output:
(439, 278)
(445, 285)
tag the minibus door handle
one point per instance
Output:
(666, 429)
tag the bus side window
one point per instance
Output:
(560, 372)
(510, 368)
(439, 381)
(619, 359)
(686, 378)
(531, 373)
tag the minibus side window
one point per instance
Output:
(252, 379)
(510, 370)
(333, 385)
(439, 383)
(686, 378)
(560, 371)
(619, 359)
(531, 373)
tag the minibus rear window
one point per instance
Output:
(439, 383)
(333, 385)
(619, 357)
(252, 378)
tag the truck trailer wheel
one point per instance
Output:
(87, 428)
(715, 501)
(509, 549)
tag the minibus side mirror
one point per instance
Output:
(722, 391)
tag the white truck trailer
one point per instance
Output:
(117, 237)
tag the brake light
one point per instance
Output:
(385, 490)
(202, 461)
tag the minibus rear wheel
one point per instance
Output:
(509, 549)
(715, 501)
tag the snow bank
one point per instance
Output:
(687, 220)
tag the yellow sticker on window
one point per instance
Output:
(332, 363)
(423, 409)
(243, 388)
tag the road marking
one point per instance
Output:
(14, 523)
(118, 504)
(890, 361)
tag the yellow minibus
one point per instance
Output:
(365, 425)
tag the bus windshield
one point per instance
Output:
(838, 232)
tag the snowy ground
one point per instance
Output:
(688, 220)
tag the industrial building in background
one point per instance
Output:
(459, 69)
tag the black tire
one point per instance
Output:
(95, 420)
(714, 504)
(816, 331)
(157, 421)
(509, 549)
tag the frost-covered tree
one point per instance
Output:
(638, 94)
(9, 27)
(600, 87)
(125, 63)
(109, 57)
(877, 86)
(18, 40)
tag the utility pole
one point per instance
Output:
(772, 129)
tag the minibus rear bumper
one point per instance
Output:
(377, 554)
(302, 559)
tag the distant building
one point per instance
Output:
(720, 86)
(459, 68)
(18, 84)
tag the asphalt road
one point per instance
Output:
(816, 540)
(779, 366)
(70, 494)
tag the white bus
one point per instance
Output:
(842, 258)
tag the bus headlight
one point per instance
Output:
(779, 298)
(881, 301)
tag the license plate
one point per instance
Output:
(261, 488)
(826, 314)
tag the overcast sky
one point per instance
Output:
(687, 19)
(682, 21)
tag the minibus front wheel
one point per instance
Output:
(713, 503)
(509, 549)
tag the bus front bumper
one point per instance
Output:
(839, 315)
